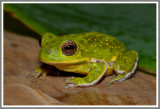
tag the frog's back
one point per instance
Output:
(100, 45)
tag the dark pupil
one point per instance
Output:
(69, 47)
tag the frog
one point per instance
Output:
(92, 54)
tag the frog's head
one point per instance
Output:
(61, 49)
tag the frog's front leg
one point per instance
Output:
(39, 72)
(124, 66)
(97, 70)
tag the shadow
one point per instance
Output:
(11, 24)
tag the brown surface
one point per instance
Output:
(21, 58)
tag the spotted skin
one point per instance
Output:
(97, 54)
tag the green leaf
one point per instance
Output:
(132, 24)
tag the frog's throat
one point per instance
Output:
(76, 61)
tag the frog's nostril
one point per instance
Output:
(48, 51)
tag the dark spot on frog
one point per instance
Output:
(81, 41)
(48, 51)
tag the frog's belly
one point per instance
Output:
(81, 69)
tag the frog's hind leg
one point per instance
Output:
(124, 66)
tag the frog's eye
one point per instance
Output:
(69, 48)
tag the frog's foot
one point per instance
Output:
(68, 80)
(43, 76)
(117, 79)
(122, 75)
(74, 82)
(36, 74)
(97, 71)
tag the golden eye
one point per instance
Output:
(69, 48)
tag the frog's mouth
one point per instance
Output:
(68, 62)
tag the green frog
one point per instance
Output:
(93, 54)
